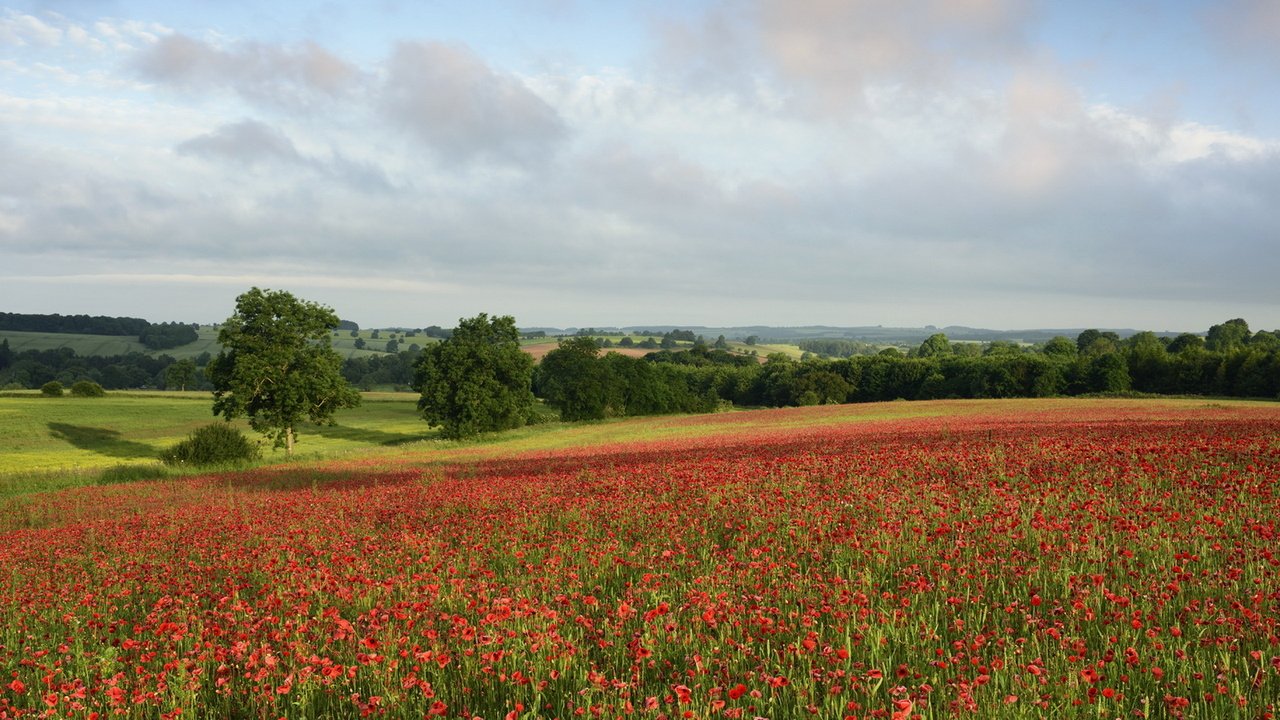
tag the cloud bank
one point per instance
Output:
(765, 162)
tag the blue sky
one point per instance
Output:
(997, 163)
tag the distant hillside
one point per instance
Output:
(870, 333)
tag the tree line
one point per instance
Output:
(155, 336)
(277, 368)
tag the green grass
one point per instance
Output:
(48, 443)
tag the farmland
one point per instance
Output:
(986, 559)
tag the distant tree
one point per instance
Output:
(478, 380)
(355, 333)
(1230, 335)
(374, 335)
(934, 346)
(721, 343)
(1060, 347)
(752, 339)
(87, 388)
(53, 388)
(6, 355)
(668, 341)
(393, 346)
(1108, 373)
(168, 335)
(649, 343)
(348, 325)
(277, 367)
(360, 343)
(180, 374)
(1002, 347)
(1265, 341)
(626, 342)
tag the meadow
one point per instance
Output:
(993, 559)
(52, 443)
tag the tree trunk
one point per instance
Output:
(288, 441)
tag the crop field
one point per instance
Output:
(1023, 559)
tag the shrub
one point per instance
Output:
(130, 473)
(53, 388)
(87, 388)
(211, 445)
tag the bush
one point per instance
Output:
(130, 473)
(87, 388)
(211, 445)
(53, 388)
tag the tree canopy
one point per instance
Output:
(277, 367)
(477, 380)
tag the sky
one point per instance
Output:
(1004, 164)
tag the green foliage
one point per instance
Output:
(53, 388)
(87, 388)
(277, 367)
(831, 347)
(934, 346)
(216, 444)
(572, 380)
(1060, 347)
(1230, 335)
(163, 336)
(180, 374)
(477, 380)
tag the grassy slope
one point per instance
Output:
(54, 442)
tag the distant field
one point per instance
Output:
(82, 344)
(106, 345)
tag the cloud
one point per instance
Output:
(23, 30)
(829, 53)
(247, 142)
(293, 78)
(251, 143)
(449, 98)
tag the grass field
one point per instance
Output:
(961, 559)
(59, 442)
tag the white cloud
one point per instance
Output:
(452, 100)
(21, 30)
(287, 77)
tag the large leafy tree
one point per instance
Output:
(574, 380)
(277, 367)
(477, 380)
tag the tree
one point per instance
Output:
(934, 345)
(1230, 335)
(180, 374)
(574, 380)
(277, 366)
(477, 380)
(1060, 347)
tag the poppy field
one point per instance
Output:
(1086, 559)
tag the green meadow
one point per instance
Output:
(48, 443)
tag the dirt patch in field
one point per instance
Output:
(539, 351)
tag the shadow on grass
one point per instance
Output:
(367, 435)
(101, 441)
